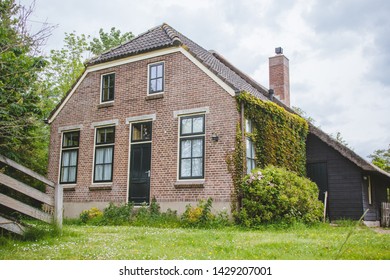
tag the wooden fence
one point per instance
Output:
(385, 214)
(56, 202)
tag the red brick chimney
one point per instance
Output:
(279, 76)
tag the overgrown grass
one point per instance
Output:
(298, 242)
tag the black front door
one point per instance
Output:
(140, 173)
(140, 156)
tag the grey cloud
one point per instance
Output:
(336, 15)
(343, 25)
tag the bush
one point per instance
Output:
(90, 214)
(201, 216)
(152, 216)
(276, 195)
(117, 215)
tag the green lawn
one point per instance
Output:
(139, 243)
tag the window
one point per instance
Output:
(69, 157)
(108, 87)
(141, 132)
(192, 130)
(104, 154)
(156, 78)
(250, 148)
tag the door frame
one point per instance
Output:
(130, 121)
(142, 146)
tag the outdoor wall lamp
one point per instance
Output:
(214, 137)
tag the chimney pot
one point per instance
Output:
(279, 50)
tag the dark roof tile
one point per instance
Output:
(164, 36)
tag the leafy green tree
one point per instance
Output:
(381, 158)
(66, 65)
(21, 115)
(108, 41)
(63, 69)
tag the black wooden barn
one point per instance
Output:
(353, 184)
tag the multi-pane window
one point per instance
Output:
(156, 78)
(108, 87)
(104, 154)
(250, 148)
(192, 135)
(69, 157)
(141, 132)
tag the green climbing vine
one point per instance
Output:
(279, 136)
(236, 165)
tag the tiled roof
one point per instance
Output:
(164, 36)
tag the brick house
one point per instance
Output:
(156, 117)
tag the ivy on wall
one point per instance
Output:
(236, 166)
(279, 136)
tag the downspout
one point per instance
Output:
(242, 124)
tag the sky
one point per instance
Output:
(338, 50)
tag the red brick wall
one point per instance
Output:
(186, 87)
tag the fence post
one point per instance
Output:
(385, 213)
(58, 205)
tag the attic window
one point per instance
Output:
(108, 87)
(156, 78)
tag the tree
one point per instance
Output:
(381, 158)
(107, 41)
(63, 69)
(66, 65)
(20, 65)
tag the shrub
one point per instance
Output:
(152, 216)
(201, 216)
(274, 194)
(90, 214)
(117, 215)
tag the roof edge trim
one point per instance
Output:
(216, 78)
(106, 65)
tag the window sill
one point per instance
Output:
(189, 184)
(155, 96)
(100, 187)
(68, 187)
(106, 105)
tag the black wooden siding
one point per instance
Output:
(345, 180)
